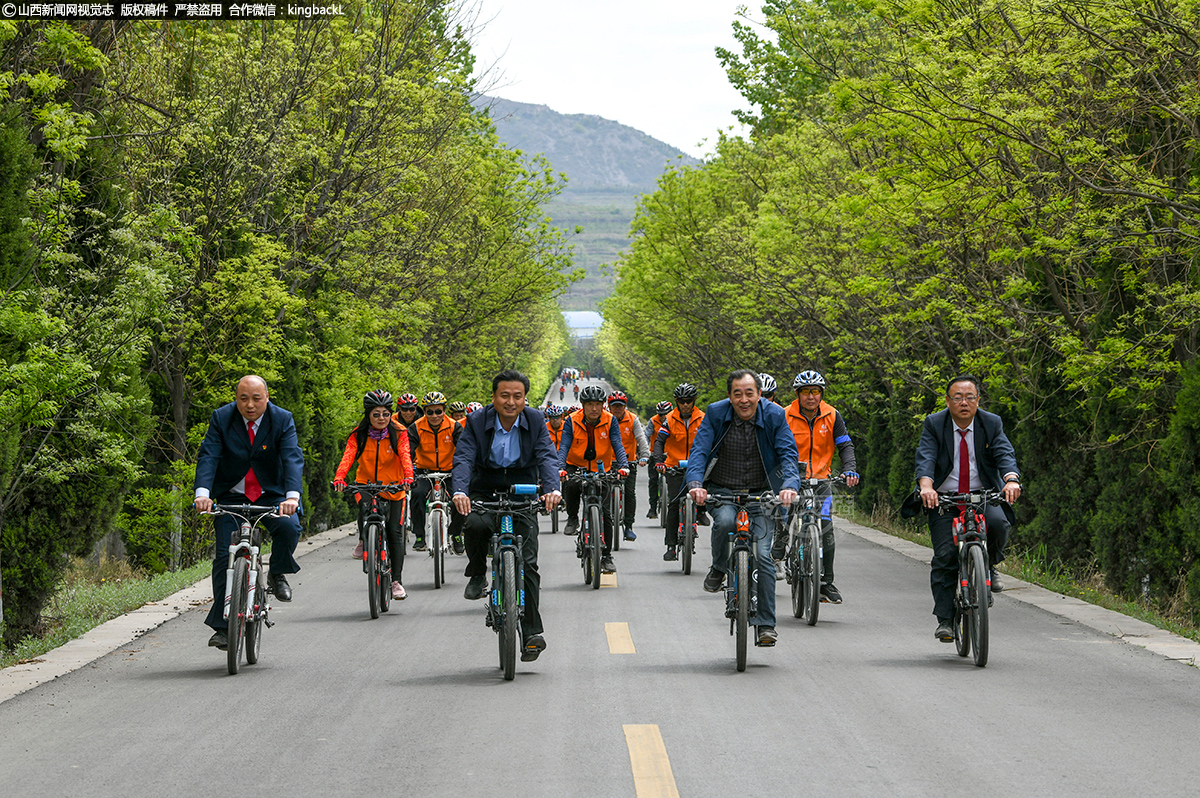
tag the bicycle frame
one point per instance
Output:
(437, 500)
(253, 609)
(971, 600)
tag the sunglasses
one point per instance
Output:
(809, 392)
(429, 412)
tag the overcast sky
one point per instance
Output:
(649, 64)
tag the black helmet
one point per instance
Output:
(377, 398)
(592, 393)
(685, 390)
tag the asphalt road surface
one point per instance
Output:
(413, 704)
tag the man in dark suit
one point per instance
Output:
(962, 448)
(250, 455)
(502, 445)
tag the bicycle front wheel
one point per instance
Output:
(688, 536)
(437, 542)
(812, 573)
(510, 609)
(254, 627)
(238, 595)
(617, 516)
(795, 565)
(664, 501)
(741, 586)
(371, 548)
(977, 574)
(385, 573)
(597, 543)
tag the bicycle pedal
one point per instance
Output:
(268, 622)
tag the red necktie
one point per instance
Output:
(253, 489)
(964, 465)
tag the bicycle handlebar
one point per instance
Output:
(374, 488)
(245, 511)
(741, 497)
(975, 498)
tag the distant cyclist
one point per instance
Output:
(591, 436)
(457, 411)
(408, 409)
(554, 423)
(656, 422)
(633, 438)
(432, 439)
(818, 429)
(672, 444)
(769, 387)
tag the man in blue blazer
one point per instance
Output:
(744, 444)
(962, 448)
(250, 455)
(505, 444)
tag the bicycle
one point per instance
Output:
(246, 604)
(437, 521)
(616, 506)
(506, 598)
(685, 537)
(803, 567)
(589, 545)
(974, 594)
(741, 589)
(377, 565)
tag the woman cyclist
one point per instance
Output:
(380, 447)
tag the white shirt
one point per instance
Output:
(951, 483)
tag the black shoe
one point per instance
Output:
(830, 594)
(997, 582)
(534, 645)
(652, 513)
(607, 566)
(945, 631)
(572, 527)
(630, 534)
(418, 545)
(671, 554)
(219, 640)
(280, 587)
(766, 636)
(457, 542)
(714, 580)
(702, 519)
(474, 588)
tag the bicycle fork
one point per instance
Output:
(236, 550)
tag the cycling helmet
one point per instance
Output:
(663, 408)
(809, 378)
(619, 397)
(768, 383)
(377, 398)
(407, 400)
(473, 406)
(554, 411)
(592, 393)
(685, 390)
(456, 407)
(433, 398)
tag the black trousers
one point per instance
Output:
(671, 500)
(943, 570)
(285, 535)
(393, 516)
(573, 494)
(631, 495)
(420, 495)
(477, 533)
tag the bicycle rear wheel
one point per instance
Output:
(254, 627)
(371, 549)
(688, 534)
(977, 574)
(597, 542)
(741, 586)
(238, 594)
(385, 573)
(664, 500)
(811, 535)
(509, 610)
(437, 540)
(618, 515)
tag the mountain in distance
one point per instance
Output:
(608, 167)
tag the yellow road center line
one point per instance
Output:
(619, 639)
(608, 580)
(652, 776)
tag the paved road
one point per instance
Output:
(570, 400)
(412, 704)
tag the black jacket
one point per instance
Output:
(475, 473)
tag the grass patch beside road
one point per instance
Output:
(1033, 566)
(90, 595)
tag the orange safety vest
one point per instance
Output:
(627, 439)
(556, 434)
(377, 462)
(436, 452)
(579, 442)
(680, 436)
(814, 439)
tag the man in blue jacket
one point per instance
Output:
(744, 445)
(505, 444)
(250, 455)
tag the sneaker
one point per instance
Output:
(652, 512)
(572, 527)
(997, 582)
(830, 594)
(418, 545)
(766, 636)
(630, 534)
(671, 554)
(779, 569)
(944, 631)
(474, 588)
(398, 591)
(534, 645)
(358, 551)
(714, 580)
(607, 566)
(459, 546)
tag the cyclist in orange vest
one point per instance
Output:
(380, 447)
(633, 438)
(818, 429)
(672, 444)
(554, 423)
(432, 439)
(457, 411)
(656, 422)
(591, 436)
(407, 410)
